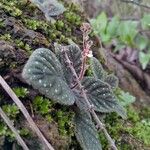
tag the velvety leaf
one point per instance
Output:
(86, 132)
(79, 100)
(74, 54)
(97, 68)
(49, 7)
(112, 81)
(101, 96)
(43, 71)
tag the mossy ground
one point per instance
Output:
(24, 28)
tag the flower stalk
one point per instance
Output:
(81, 88)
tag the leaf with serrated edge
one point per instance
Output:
(79, 100)
(97, 68)
(43, 71)
(85, 131)
(101, 96)
(112, 81)
(74, 54)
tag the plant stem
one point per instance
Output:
(10, 125)
(25, 112)
(90, 107)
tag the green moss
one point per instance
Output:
(1, 23)
(32, 24)
(11, 110)
(6, 37)
(21, 92)
(64, 119)
(42, 105)
(11, 8)
(23, 45)
(72, 18)
(141, 131)
(140, 127)
(136, 124)
(59, 24)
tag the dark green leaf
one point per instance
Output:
(101, 96)
(85, 131)
(43, 71)
(112, 81)
(97, 68)
(80, 101)
(74, 54)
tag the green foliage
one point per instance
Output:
(53, 78)
(144, 59)
(141, 42)
(21, 91)
(125, 98)
(124, 33)
(145, 21)
(127, 32)
(113, 26)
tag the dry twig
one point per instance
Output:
(10, 125)
(25, 112)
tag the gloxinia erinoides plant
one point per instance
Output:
(61, 78)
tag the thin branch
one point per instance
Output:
(25, 112)
(10, 125)
(135, 3)
(90, 107)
